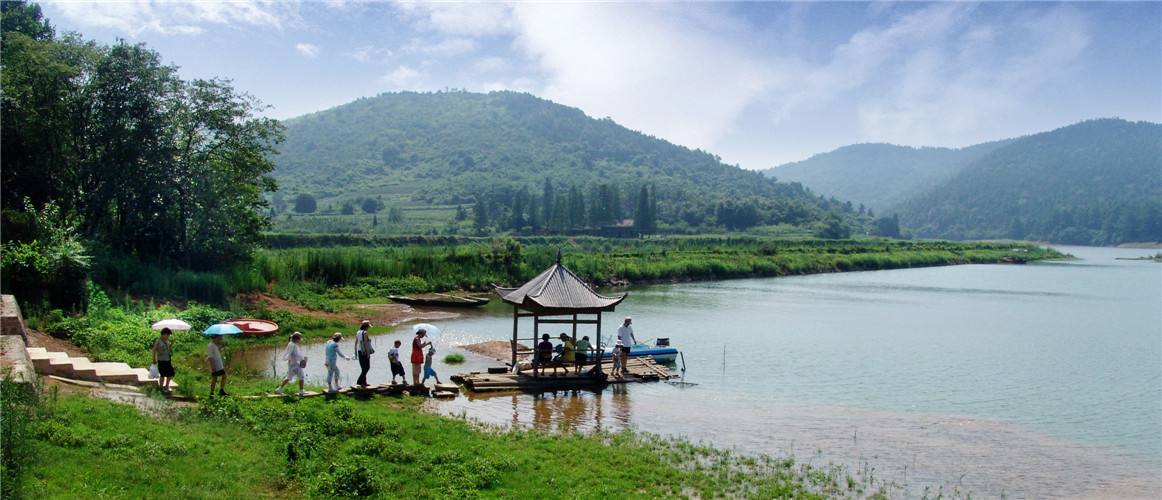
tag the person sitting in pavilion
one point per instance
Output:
(544, 356)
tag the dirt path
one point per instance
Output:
(379, 314)
(50, 343)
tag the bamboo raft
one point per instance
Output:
(640, 370)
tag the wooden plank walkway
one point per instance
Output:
(640, 370)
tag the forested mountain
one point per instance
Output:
(531, 163)
(879, 176)
(1097, 182)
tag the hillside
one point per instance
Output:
(1097, 182)
(449, 148)
(878, 176)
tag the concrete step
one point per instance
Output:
(41, 359)
(64, 366)
(80, 368)
(98, 372)
(137, 376)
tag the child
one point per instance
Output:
(617, 358)
(428, 371)
(217, 365)
(396, 364)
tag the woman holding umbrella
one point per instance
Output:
(163, 350)
(418, 345)
(162, 355)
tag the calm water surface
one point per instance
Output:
(1035, 380)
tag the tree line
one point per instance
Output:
(132, 159)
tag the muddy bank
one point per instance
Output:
(500, 350)
(379, 314)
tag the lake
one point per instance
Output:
(1024, 380)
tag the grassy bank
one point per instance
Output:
(324, 277)
(75, 446)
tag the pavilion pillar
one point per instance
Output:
(600, 350)
(515, 326)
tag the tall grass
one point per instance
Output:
(137, 278)
(353, 271)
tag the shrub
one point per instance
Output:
(346, 478)
(454, 359)
(18, 409)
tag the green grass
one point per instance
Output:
(350, 269)
(385, 447)
(454, 359)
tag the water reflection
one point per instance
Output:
(576, 410)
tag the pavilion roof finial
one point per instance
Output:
(558, 256)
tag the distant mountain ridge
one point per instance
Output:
(1094, 182)
(1098, 182)
(458, 147)
(878, 175)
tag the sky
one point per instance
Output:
(757, 83)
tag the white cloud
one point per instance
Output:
(448, 47)
(370, 53)
(938, 74)
(654, 68)
(969, 85)
(307, 50)
(463, 19)
(403, 77)
(521, 84)
(491, 64)
(134, 17)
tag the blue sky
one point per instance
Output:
(758, 84)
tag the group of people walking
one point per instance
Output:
(364, 348)
(575, 354)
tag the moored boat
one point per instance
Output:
(661, 351)
(255, 327)
(439, 300)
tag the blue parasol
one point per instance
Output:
(221, 329)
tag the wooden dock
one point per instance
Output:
(640, 370)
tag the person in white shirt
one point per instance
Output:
(217, 365)
(294, 363)
(396, 364)
(363, 350)
(625, 336)
(332, 353)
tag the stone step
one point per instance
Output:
(40, 358)
(81, 368)
(64, 366)
(97, 372)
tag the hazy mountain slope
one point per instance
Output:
(451, 147)
(878, 175)
(1096, 182)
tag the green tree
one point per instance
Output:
(305, 204)
(888, 226)
(548, 202)
(480, 214)
(371, 205)
(644, 218)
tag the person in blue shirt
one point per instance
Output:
(332, 352)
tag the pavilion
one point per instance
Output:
(555, 297)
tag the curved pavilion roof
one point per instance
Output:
(558, 290)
